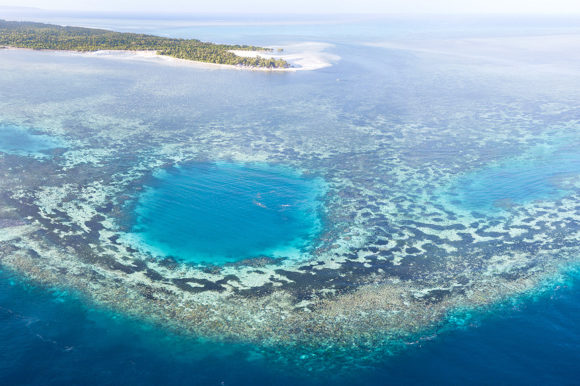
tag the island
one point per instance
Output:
(41, 36)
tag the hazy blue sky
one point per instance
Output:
(310, 6)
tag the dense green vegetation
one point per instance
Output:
(53, 37)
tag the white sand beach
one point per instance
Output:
(307, 56)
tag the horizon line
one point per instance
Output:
(187, 13)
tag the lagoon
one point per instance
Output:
(546, 176)
(21, 141)
(223, 212)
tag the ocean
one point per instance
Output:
(406, 213)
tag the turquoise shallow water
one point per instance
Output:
(545, 176)
(18, 140)
(218, 213)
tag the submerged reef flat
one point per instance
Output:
(400, 247)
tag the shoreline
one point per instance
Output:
(307, 60)
(308, 56)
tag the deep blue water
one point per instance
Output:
(18, 140)
(217, 213)
(51, 338)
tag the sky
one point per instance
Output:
(309, 6)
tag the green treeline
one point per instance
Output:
(53, 37)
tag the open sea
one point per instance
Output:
(51, 338)
(432, 164)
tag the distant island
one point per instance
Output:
(40, 36)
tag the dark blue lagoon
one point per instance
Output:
(21, 141)
(224, 212)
